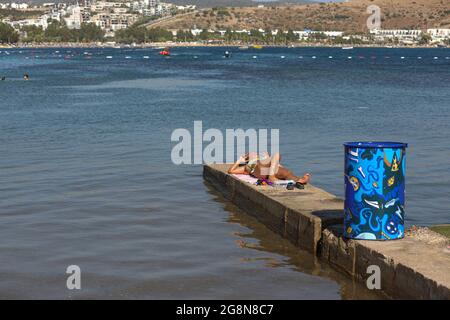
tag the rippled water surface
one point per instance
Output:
(86, 176)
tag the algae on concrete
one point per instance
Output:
(443, 229)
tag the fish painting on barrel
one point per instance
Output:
(375, 190)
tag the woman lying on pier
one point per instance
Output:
(266, 167)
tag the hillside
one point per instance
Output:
(346, 16)
(198, 3)
(234, 3)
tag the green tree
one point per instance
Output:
(159, 35)
(229, 35)
(131, 34)
(184, 35)
(141, 34)
(291, 36)
(33, 34)
(204, 35)
(256, 36)
(8, 34)
(425, 38)
(90, 32)
(58, 32)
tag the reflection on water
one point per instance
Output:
(280, 253)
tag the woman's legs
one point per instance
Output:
(278, 172)
(274, 171)
(285, 174)
(274, 167)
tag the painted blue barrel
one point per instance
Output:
(374, 190)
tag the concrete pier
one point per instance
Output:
(416, 267)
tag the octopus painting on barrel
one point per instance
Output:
(375, 185)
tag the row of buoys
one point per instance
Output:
(373, 57)
(256, 57)
(228, 54)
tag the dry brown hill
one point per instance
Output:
(347, 16)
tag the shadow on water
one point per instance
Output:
(262, 239)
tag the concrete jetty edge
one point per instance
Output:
(416, 267)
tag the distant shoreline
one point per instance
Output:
(196, 44)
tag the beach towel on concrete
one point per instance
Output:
(283, 183)
(253, 180)
(246, 178)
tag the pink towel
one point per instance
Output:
(246, 178)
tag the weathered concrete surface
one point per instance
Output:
(416, 267)
(300, 215)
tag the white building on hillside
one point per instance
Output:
(73, 17)
(195, 32)
(400, 34)
(303, 35)
(38, 22)
(439, 34)
(19, 6)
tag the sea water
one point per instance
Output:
(86, 176)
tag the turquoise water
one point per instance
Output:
(86, 176)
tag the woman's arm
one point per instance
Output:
(236, 169)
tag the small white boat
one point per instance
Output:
(347, 48)
(243, 48)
